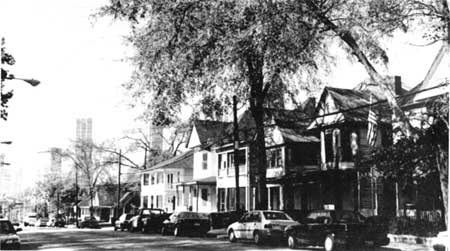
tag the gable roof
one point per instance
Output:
(106, 197)
(437, 74)
(292, 125)
(184, 160)
(208, 131)
(349, 99)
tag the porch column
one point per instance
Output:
(269, 206)
(198, 192)
(226, 199)
(322, 150)
(281, 198)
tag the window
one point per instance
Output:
(153, 179)
(158, 201)
(145, 201)
(146, 175)
(220, 161)
(274, 158)
(151, 201)
(205, 161)
(178, 177)
(170, 179)
(230, 160)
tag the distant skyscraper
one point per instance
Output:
(156, 137)
(56, 161)
(84, 130)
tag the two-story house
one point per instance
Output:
(289, 149)
(159, 182)
(341, 119)
(202, 188)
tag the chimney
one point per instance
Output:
(398, 85)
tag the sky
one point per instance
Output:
(79, 63)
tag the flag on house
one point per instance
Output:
(372, 127)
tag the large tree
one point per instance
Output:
(191, 49)
(91, 163)
(8, 59)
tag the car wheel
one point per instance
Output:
(232, 236)
(257, 238)
(177, 231)
(115, 229)
(163, 231)
(328, 244)
(292, 242)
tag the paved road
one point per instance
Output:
(106, 239)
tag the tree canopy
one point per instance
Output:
(193, 48)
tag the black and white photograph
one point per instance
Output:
(230, 125)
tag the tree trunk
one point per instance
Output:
(442, 165)
(258, 160)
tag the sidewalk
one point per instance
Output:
(220, 233)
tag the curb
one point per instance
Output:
(411, 239)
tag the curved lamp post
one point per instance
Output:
(31, 81)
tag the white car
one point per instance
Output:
(442, 241)
(260, 225)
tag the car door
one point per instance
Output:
(253, 223)
(239, 230)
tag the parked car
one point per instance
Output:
(41, 222)
(182, 223)
(148, 219)
(30, 219)
(123, 222)
(442, 241)
(56, 222)
(89, 222)
(329, 228)
(260, 225)
(8, 235)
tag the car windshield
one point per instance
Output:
(192, 215)
(151, 211)
(275, 216)
(349, 217)
(318, 216)
(6, 227)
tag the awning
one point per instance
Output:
(205, 181)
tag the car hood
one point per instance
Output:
(5, 237)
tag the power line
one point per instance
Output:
(312, 118)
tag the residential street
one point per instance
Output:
(107, 239)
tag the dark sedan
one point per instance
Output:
(89, 222)
(183, 223)
(8, 237)
(329, 228)
(123, 222)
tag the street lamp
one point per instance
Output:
(31, 81)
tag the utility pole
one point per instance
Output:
(118, 184)
(76, 196)
(236, 151)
